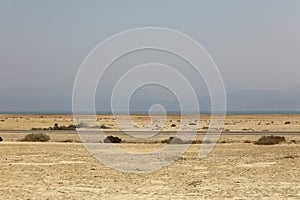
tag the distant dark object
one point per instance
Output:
(112, 139)
(287, 123)
(173, 125)
(1, 139)
(192, 124)
(270, 140)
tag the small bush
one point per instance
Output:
(192, 124)
(247, 141)
(197, 142)
(104, 127)
(1, 139)
(173, 140)
(112, 139)
(36, 137)
(67, 140)
(81, 125)
(173, 125)
(269, 140)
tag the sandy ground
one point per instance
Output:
(233, 170)
(230, 171)
(247, 123)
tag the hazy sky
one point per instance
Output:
(256, 44)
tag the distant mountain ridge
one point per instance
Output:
(266, 100)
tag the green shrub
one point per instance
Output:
(36, 137)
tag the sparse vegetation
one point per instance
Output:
(36, 137)
(112, 139)
(192, 124)
(269, 140)
(57, 127)
(247, 141)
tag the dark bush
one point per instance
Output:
(112, 139)
(269, 140)
(173, 125)
(56, 127)
(36, 137)
(67, 140)
(1, 139)
(104, 127)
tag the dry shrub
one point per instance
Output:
(247, 141)
(269, 140)
(1, 139)
(36, 137)
(67, 140)
(173, 140)
(112, 139)
(104, 127)
(196, 142)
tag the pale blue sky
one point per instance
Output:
(255, 44)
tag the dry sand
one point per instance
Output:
(233, 170)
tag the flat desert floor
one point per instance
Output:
(62, 168)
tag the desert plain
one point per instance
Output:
(236, 168)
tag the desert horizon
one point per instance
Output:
(237, 167)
